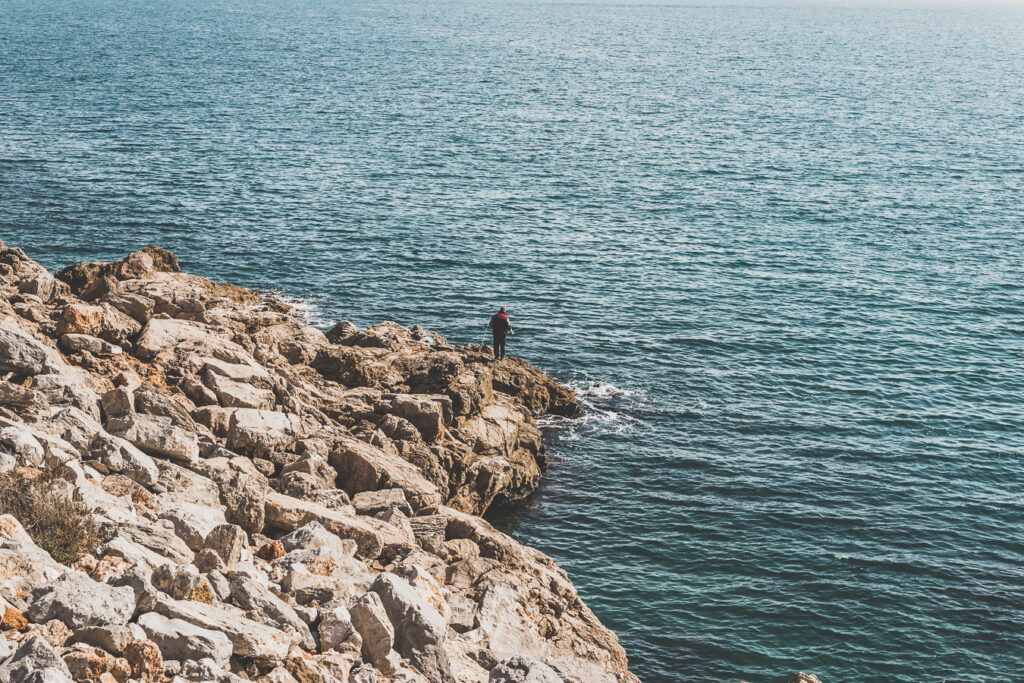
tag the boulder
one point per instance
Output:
(419, 628)
(804, 678)
(228, 541)
(248, 638)
(152, 400)
(363, 467)
(265, 607)
(192, 522)
(182, 640)
(315, 535)
(161, 334)
(336, 629)
(85, 342)
(426, 413)
(370, 619)
(79, 601)
(42, 285)
(135, 306)
(180, 581)
(23, 355)
(78, 318)
(72, 386)
(185, 486)
(261, 432)
(158, 537)
(288, 514)
(116, 402)
(239, 372)
(244, 495)
(523, 670)
(156, 434)
(20, 442)
(372, 502)
(120, 456)
(16, 395)
(113, 639)
(232, 394)
(137, 579)
(145, 660)
(87, 663)
(35, 655)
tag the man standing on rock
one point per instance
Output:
(500, 327)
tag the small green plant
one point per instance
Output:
(60, 526)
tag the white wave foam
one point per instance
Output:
(603, 407)
(308, 310)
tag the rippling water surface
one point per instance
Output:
(778, 250)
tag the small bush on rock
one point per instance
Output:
(60, 526)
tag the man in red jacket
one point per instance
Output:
(500, 327)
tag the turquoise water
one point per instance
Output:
(784, 244)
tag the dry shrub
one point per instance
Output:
(60, 526)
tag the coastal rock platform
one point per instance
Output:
(268, 501)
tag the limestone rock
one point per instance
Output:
(228, 541)
(192, 522)
(23, 355)
(248, 638)
(363, 467)
(117, 401)
(159, 335)
(177, 580)
(151, 400)
(315, 535)
(84, 342)
(372, 502)
(337, 629)
(269, 609)
(804, 678)
(370, 619)
(121, 456)
(288, 514)
(234, 394)
(523, 670)
(145, 660)
(156, 434)
(113, 639)
(419, 628)
(34, 655)
(179, 639)
(79, 601)
(23, 444)
(87, 663)
(260, 432)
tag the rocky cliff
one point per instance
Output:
(263, 501)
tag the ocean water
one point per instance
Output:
(778, 250)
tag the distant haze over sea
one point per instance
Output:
(779, 251)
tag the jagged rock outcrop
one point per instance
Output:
(272, 503)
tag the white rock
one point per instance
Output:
(156, 434)
(419, 628)
(20, 443)
(248, 638)
(260, 432)
(371, 621)
(182, 640)
(79, 601)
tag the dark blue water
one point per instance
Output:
(786, 244)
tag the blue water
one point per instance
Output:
(784, 244)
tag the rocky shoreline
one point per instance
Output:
(254, 499)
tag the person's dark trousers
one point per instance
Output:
(499, 346)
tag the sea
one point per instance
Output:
(777, 250)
